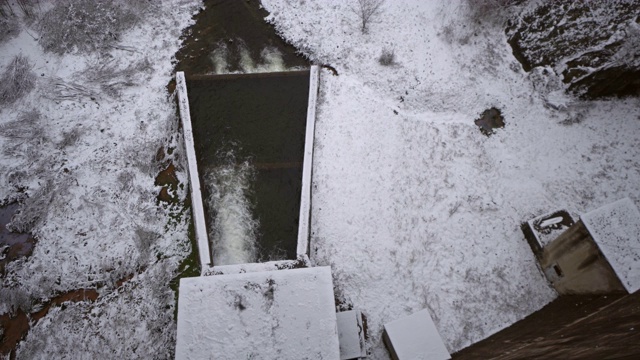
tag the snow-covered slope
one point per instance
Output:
(93, 170)
(412, 206)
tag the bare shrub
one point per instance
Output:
(25, 137)
(29, 8)
(81, 26)
(573, 118)
(125, 180)
(70, 138)
(5, 9)
(59, 89)
(33, 209)
(387, 58)
(17, 80)
(144, 240)
(108, 78)
(17, 178)
(112, 78)
(367, 11)
(16, 298)
(25, 127)
(9, 27)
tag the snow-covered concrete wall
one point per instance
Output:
(287, 314)
(305, 195)
(196, 194)
(615, 228)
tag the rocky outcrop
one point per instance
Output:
(593, 45)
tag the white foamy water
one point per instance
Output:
(219, 58)
(233, 229)
(270, 59)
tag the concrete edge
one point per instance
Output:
(254, 267)
(194, 180)
(305, 195)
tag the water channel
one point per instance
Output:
(248, 94)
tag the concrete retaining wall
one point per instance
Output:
(197, 208)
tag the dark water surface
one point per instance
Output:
(260, 118)
(236, 24)
(13, 245)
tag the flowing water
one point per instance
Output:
(249, 134)
(233, 229)
(231, 36)
(249, 127)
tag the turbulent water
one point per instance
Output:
(237, 55)
(233, 229)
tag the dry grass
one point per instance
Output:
(17, 80)
(82, 26)
(111, 78)
(25, 127)
(34, 208)
(9, 28)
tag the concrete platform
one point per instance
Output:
(287, 314)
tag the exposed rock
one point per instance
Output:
(593, 45)
(489, 120)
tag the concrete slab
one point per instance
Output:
(287, 314)
(616, 230)
(351, 335)
(415, 337)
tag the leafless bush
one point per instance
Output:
(16, 298)
(9, 27)
(111, 78)
(81, 26)
(367, 11)
(70, 138)
(387, 58)
(59, 89)
(17, 178)
(144, 239)
(33, 209)
(573, 118)
(454, 208)
(29, 8)
(25, 127)
(125, 180)
(17, 80)
(107, 78)
(25, 136)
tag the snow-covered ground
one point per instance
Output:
(92, 167)
(412, 206)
